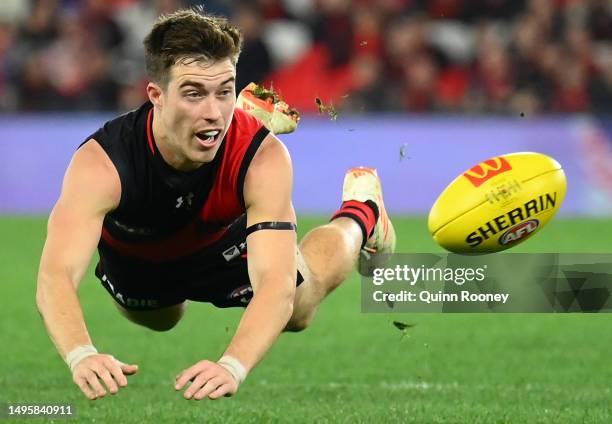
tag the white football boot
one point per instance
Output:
(362, 184)
(265, 105)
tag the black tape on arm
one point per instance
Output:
(271, 225)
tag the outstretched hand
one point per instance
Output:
(90, 371)
(208, 379)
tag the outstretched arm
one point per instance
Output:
(271, 255)
(272, 271)
(91, 188)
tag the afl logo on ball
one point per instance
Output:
(519, 231)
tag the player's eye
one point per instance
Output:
(192, 94)
(226, 92)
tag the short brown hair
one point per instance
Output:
(188, 35)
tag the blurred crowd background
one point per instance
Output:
(419, 56)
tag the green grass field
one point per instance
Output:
(348, 367)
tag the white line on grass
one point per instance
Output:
(426, 386)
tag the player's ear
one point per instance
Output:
(155, 93)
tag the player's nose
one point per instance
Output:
(210, 110)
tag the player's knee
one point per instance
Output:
(163, 319)
(160, 326)
(296, 326)
(300, 323)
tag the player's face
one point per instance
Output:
(196, 110)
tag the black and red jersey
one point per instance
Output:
(165, 214)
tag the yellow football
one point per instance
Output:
(498, 203)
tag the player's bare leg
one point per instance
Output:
(327, 254)
(162, 319)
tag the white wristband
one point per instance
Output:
(79, 353)
(234, 366)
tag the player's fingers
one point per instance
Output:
(209, 387)
(82, 383)
(190, 373)
(199, 381)
(120, 370)
(128, 369)
(92, 380)
(183, 378)
(226, 389)
(106, 377)
(115, 369)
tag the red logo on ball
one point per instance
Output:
(486, 170)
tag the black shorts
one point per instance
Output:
(218, 275)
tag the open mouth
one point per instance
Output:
(208, 138)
